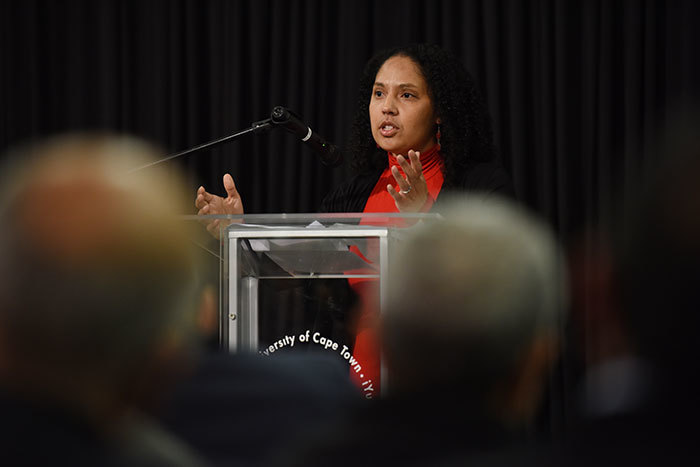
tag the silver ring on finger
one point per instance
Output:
(407, 190)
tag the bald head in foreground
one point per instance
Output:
(97, 301)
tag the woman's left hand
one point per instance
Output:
(413, 191)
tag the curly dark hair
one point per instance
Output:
(466, 136)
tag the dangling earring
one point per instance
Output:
(437, 136)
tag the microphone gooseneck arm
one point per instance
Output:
(256, 127)
(280, 117)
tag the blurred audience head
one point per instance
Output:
(97, 275)
(656, 251)
(474, 309)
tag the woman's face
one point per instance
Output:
(401, 112)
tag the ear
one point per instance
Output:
(206, 312)
(521, 397)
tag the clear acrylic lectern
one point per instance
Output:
(289, 281)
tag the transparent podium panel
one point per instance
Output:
(304, 282)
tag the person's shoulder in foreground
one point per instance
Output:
(246, 408)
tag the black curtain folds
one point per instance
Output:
(184, 72)
(578, 89)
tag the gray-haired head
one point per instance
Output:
(468, 295)
(96, 271)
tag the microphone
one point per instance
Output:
(329, 154)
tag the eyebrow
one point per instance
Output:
(402, 85)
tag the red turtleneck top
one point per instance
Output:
(367, 350)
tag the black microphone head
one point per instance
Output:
(291, 122)
(288, 120)
(279, 115)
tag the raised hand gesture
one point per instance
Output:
(413, 191)
(208, 203)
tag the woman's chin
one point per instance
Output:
(394, 149)
(387, 145)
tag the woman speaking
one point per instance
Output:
(420, 129)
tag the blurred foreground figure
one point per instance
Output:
(639, 403)
(97, 304)
(470, 333)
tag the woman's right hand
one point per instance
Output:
(208, 203)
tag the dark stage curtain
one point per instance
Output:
(577, 89)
